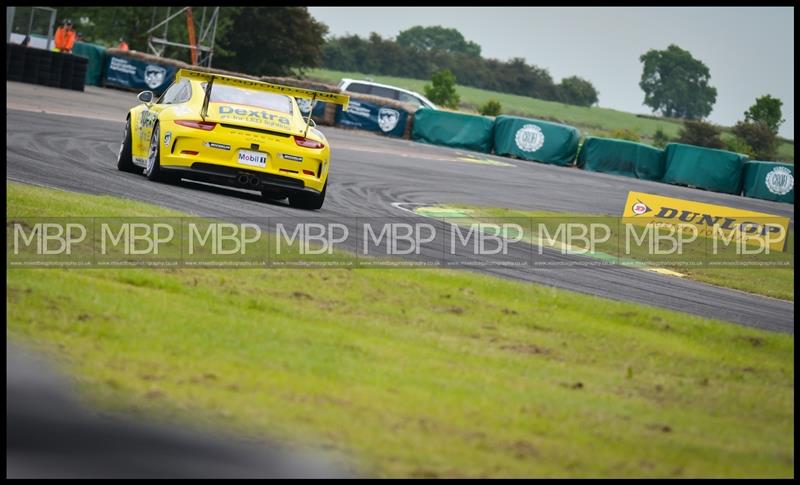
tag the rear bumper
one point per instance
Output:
(216, 151)
(240, 177)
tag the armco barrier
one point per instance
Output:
(537, 140)
(96, 54)
(453, 129)
(705, 168)
(48, 68)
(769, 181)
(621, 157)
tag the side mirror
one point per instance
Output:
(146, 97)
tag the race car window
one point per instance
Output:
(171, 94)
(185, 94)
(222, 93)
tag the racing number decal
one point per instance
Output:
(147, 119)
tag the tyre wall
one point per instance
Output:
(704, 168)
(769, 181)
(536, 140)
(621, 157)
(457, 130)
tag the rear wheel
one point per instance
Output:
(309, 201)
(125, 155)
(153, 171)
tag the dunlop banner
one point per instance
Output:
(709, 220)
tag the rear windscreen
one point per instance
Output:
(222, 93)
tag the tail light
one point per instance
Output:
(201, 125)
(307, 142)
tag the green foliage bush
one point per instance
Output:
(576, 91)
(738, 145)
(660, 139)
(491, 108)
(701, 134)
(759, 137)
(442, 89)
(625, 134)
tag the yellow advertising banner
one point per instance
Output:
(714, 221)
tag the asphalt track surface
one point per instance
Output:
(69, 140)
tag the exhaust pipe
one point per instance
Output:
(254, 181)
(243, 179)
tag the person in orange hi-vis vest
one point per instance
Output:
(65, 37)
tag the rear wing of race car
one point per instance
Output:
(210, 78)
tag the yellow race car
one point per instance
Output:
(231, 131)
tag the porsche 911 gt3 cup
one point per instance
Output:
(231, 131)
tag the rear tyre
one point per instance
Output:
(305, 200)
(153, 171)
(125, 156)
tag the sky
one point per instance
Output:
(748, 50)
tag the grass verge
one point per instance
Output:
(414, 372)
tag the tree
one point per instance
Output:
(577, 91)
(443, 89)
(272, 41)
(701, 134)
(491, 108)
(766, 110)
(421, 51)
(759, 137)
(105, 25)
(437, 38)
(676, 84)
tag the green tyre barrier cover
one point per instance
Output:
(705, 168)
(621, 157)
(97, 56)
(769, 181)
(536, 140)
(457, 130)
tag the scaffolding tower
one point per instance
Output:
(205, 42)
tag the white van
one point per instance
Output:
(385, 91)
